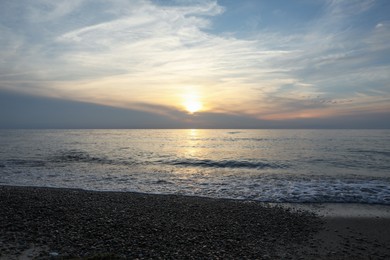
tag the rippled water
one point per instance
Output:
(264, 165)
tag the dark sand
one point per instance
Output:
(62, 223)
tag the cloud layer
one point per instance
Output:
(148, 55)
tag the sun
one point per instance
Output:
(192, 103)
(193, 106)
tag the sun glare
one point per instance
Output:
(192, 104)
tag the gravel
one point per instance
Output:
(48, 223)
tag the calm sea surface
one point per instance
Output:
(264, 165)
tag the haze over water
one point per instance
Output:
(265, 165)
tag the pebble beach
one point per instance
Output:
(48, 223)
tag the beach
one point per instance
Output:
(50, 223)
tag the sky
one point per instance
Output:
(195, 64)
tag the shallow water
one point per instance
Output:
(266, 165)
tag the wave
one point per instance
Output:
(351, 163)
(23, 162)
(234, 132)
(77, 156)
(223, 163)
(323, 190)
(251, 139)
(372, 152)
(286, 189)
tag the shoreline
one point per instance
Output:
(342, 210)
(323, 209)
(63, 223)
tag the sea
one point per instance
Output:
(295, 166)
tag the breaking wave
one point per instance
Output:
(75, 156)
(23, 162)
(223, 163)
(78, 156)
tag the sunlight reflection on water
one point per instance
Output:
(266, 165)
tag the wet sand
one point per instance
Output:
(354, 238)
(350, 231)
(47, 223)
